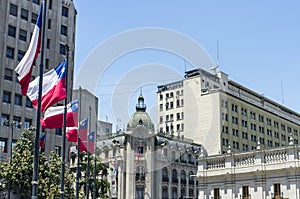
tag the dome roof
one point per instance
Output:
(140, 117)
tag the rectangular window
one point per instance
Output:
(245, 192)
(10, 52)
(48, 43)
(217, 193)
(49, 23)
(23, 35)
(33, 18)
(13, 10)
(57, 150)
(50, 4)
(64, 30)
(17, 122)
(24, 14)
(58, 131)
(4, 119)
(6, 96)
(277, 191)
(18, 99)
(27, 123)
(20, 55)
(47, 63)
(11, 31)
(62, 49)
(28, 103)
(65, 11)
(161, 107)
(3, 145)
(8, 74)
(36, 1)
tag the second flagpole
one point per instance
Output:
(63, 153)
(38, 115)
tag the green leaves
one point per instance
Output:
(19, 172)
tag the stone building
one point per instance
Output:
(17, 22)
(217, 112)
(146, 164)
(265, 174)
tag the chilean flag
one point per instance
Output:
(83, 132)
(53, 89)
(72, 133)
(54, 116)
(25, 66)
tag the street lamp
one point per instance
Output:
(11, 124)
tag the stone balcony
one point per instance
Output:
(252, 161)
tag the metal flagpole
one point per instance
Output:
(63, 153)
(78, 148)
(95, 161)
(87, 190)
(38, 115)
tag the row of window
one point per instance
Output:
(13, 10)
(18, 99)
(170, 128)
(245, 147)
(165, 175)
(245, 192)
(261, 118)
(170, 118)
(16, 121)
(170, 105)
(244, 123)
(171, 94)
(10, 52)
(3, 146)
(235, 132)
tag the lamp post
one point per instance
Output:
(11, 124)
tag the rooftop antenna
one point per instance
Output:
(282, 92)
(214, 68)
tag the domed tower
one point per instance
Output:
(140, 118)
(140, 146)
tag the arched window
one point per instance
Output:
(140, 173)
(165, 193)
(191, 192)
(191, 178)
(183, 194)
(174, 193)
(174, 176)
(165, 175)
(183, 177)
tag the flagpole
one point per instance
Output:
(87, 190)
(95, 161)
(63, 153)
(38, 115)
(78, 147)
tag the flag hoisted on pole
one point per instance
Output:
(53, 88)
(24, 68)
(38, 115)
(78, 150)
(63, 153)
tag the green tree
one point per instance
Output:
(102, 185)
(19, 171)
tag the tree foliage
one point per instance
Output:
(18, 172)
(102, 185)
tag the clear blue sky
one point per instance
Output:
(259, 44)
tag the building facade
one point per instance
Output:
(264, 174)
(146, 164)
(217, 113)
(18, 19)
